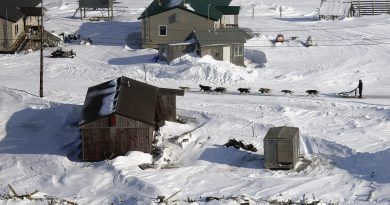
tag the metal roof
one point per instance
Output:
(201, 8)
(229, 10)
(287, 133)
(224, 36)
(124, 96)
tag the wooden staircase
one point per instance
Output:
(371, 7)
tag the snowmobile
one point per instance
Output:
(59, 53)
(87, 42)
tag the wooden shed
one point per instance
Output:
(281, 148)
(96, 5)
(120, 116)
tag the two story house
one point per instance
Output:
(172, 21)
(19, 26)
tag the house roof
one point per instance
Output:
(13, 10)
(225, 36)
(11, 14)
(124, 96)
(31, 11)
(335, 8)
(229, 10)
(201, 8)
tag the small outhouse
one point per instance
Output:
(281, 148)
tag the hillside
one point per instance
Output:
(345, 141)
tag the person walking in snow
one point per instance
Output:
(360, 87)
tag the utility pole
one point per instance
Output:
(41, 65)
(146, 81)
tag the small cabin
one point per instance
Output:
(96, 5)
(281, 148)
(121, 115)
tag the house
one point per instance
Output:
(19, 26)
(120, 116)
(96, 5)
(333, 9)
(172, 21)
(225, 44)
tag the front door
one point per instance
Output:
(226, 53)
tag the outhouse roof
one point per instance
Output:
(281, 133)
(223, 36)
(335, 8)
(205, 8)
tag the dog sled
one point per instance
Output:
(352, 93)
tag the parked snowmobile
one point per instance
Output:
(59, 53)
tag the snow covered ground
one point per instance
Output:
(346, 140)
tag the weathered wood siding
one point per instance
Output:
(101, 139)
(166, 107)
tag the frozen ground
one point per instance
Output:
(346, 140)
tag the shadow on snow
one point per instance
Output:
(358, 164)
(53, 131)
(233, 157)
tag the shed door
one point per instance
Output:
(226, 53)
(285, 154)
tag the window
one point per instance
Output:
(16, 29)
(174, 18)
(162, 30)
(238, 50)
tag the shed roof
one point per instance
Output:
(124, 96)
(335, 8)
(201, 8)
(287, 133)
(225, 36)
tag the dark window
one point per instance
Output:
(16, 29)
(162, 29)
(238, 50)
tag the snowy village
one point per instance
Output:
(198, 102)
